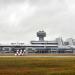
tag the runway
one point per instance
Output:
(39, 56)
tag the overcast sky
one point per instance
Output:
(21, 19)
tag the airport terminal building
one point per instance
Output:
(55, 46)
(42, 46)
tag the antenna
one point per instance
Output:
(42, 27)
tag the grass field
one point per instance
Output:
(37, 66)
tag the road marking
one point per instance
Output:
(39, 56)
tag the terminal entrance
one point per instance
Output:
(42, 51)
(50, 50)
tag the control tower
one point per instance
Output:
(41, 35)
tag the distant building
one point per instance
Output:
(42, 46)
(56, 46)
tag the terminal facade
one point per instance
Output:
(42, 46)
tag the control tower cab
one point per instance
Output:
(41, 35)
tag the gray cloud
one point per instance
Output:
(21, 19)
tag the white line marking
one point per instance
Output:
(40, 56)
